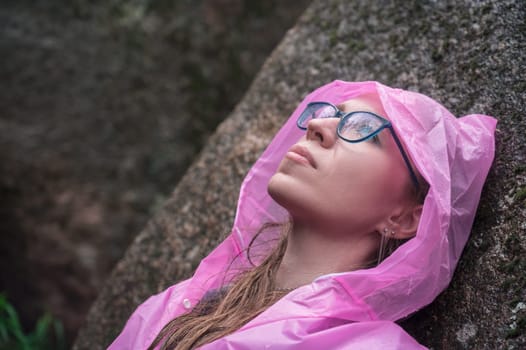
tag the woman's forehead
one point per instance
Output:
(369, 102)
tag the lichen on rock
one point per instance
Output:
(467, 54)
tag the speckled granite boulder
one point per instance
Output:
(470, 55)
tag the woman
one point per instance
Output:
(352, 189)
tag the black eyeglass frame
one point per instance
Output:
(306, 114)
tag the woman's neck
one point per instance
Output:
(311, 253)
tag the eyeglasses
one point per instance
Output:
(354, 127)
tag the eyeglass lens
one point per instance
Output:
(356, 126)
(315, 111)
(359, 125)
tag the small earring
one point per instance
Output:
(388, 232)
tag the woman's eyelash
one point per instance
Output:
(375, 139)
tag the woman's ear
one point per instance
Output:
(405, 224)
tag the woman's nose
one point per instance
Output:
(323, 130)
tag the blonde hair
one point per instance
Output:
(252, 293)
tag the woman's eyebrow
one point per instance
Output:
(340, 107)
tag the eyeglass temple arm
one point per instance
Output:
(406, 159)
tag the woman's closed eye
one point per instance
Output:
(364, 130)
(375, 139)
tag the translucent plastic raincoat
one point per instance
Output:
(355, 309)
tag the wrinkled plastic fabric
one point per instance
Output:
(355, 309)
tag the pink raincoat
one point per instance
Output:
(355, 309)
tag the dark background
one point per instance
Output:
(103, 105)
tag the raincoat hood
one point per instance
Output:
(452, 154)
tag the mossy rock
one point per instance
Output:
(467, 54)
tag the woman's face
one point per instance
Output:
(340, 186)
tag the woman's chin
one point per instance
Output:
(276, 188)
(286, 192)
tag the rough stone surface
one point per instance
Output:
(103, 106)
(470, 55)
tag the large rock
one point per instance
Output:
(103, 106)
(469, 55)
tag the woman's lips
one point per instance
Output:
(301, 154)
